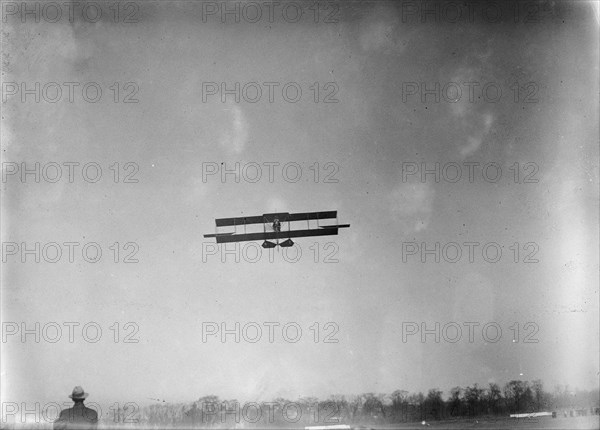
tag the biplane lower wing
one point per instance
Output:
(231, 237)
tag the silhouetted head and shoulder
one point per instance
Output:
(79, 416)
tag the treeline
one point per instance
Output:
(371, 408)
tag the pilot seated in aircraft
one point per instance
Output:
(277, 225)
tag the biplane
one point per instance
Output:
(276, 226)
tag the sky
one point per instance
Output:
(367, 287)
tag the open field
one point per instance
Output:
(560, 423)
(589, 422)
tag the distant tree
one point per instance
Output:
(281, 414)
(517, 394)
(354, 407)
(416, 401)
(455, 402)
(210, 407)
(384, 402)
(493, 397)
(308, 400)
(340, 408)
(230, 411)
(310, 410)
(434, 404)
(398, 397)
(399, 405)
(539, 398)
(528, 400)
(192, 414)
(372, 406)
(473, 397)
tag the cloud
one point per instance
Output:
(596, 7)
(234, 138)
(470, 120)
(483, 123)
(472, 146)
(47, 49)
(381, 32)
(473, 123)
(411, 206)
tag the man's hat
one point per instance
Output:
(78, 393)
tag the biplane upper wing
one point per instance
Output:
(282, 216)
(312, 215)
(225, 222)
